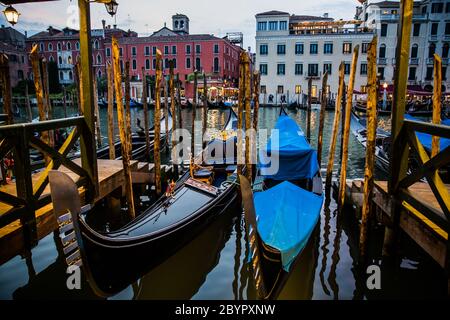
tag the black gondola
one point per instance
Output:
(169, 223)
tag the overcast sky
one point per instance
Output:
(206, 16)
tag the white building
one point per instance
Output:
(430, 34)
(290, 49)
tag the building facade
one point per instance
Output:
(291, 49)
(430, 34)
(12, 43)
(217, 57)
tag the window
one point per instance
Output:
(198, 65)
(416, 30)
(382, 53)
(273, 25)
(166, 63)
(298, 69)
(381, 72)
(313, 70)
(280, 90)
(174, 49)
(49, 59)
(424, 9)
(314, 91)
(434, 28)
(263, 69)
(58, 46)
(414, 50)
(347, 47)
(313, 48)
(120, 52)
(363, 69)
(384, 28)
(60, 61)
(444, 73)
(77, 45)
(61, 75)
(41, 47)
(147, 51)
(69, 60)
(188, 49)
(281, 49)
(437, 7)
(134, 64)
(283, 25)
(429, 75)
(347, 68)
(70, 75)
(281, 69)
(328, 48)
(447, 28)
(50, 47)
(298, 89)
(412, 73)
(133, 51)
(299, 48)
(216, 48)
(198, 48)
(262, 26)
(108, 52)
(445, 50)
(121, 66)
(364, 47)
(431, 50)
(188, 63)
(20, 74)
(154, 51)
(96, 46)
(174, 62)
(154, 64)
(216, 64)
(147, 64)
(263, 49)
(327, 67)
(99, 59)
(447, 7)
(263, 89)
(99, 74)
(166, 49)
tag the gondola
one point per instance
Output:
(102, 103)
(284, 210)
(200, 195)
(413, 108)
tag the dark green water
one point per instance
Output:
(214, 264)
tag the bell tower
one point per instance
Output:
(180, 24)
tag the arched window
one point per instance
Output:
(60, 61)
(99, 73)
(61, 75)
(77, 45)
(445, 49)
(216, 64)
(51, 59)
(414, 51)
(198, 64)
(50, 47)
(41, 47)
(59, 46)
(70, 75)
(99, 59)
(431, 50)
(96, 45)
(69, 46)
(69, 60)
(382, 53)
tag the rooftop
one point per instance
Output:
(272, 13)
(296, 18)
(180, 38)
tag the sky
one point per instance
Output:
(206, 16)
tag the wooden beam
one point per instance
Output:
(194, 115)
(111, 137)
(146, 118)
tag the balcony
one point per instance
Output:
(445, 61)
(447, 37)
(65, 66)
(382, 61)
(430, 60)
(393, 61)
(420, 16)
(433, 38)
(414, 61)
(389, 17)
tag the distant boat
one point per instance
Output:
(284, 211)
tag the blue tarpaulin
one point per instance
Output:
(425, 138)
(286, 217)
(296, 158)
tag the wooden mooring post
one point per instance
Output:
(98, 132)
(157, 123)
(322, 118)
(122, 129)
(111, 137)
(334, 135)
(127, 108)
(179, 116)
(146, 118)
(241, 104)
(248, 119)
(194, 115)
(308, 111)
(205, 110)
(64, 99)
(256, 89)
(174, 115)
(437, 96)
(372, 101)
(348, 111)
(166, 113)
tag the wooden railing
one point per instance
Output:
(428, 168)
(17, 140)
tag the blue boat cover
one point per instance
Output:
(297, 160)
(286, 217)
(425, 138)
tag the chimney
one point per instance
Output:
(26, 34)
(50, 30)
(325, 15)
(104, 24)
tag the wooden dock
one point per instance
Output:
(110, 179)
(431, 237)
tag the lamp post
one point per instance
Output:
(111, 7)
(11, 15)
(385, 85)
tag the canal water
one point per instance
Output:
(214, 264)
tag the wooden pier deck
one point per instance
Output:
(413, 221)
(110, 178)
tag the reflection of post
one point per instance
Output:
(335, 258)
(146, 119)
(322, 118)
(370, 143)
(326, 241)
(122, 128)
(237, 258)
(348, 111)
(112, 148)
(437, 95)
(337, 114)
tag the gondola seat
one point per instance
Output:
(230, 169)
(203, 174)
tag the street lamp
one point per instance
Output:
(111, 7)
(11, 15)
